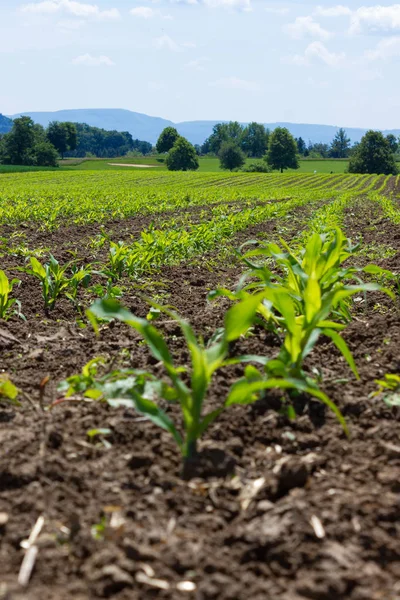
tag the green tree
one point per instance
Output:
(167, 139)
(231, 156)
(373, 155)
(254, 139)
(18, 144)
(63, 136)
(224, 132)
(301, 146)
(318, 150)
(182, 156)
(72, 137)
(45, 154)
(282, 150)
(340, 145)
(393, 142)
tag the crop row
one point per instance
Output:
(298, 295)
(51, 199)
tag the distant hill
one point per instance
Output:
(140, 126)
(149, 128)
(5, 124)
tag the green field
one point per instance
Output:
(153, 323)
(23, 169)
(207, 165)
(88, 196)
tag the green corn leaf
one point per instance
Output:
(261, 360)
(110, 309)
(4, 286)
(344, 349)
(240, 317)
(312, 340)
(92, 433)
(157, 416)
(243, 392)
(37, 268)
(375, 270)
(8, 391)
(330, 325)
(312, 298)
(208, 419)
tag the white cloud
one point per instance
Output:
(372, 19)
(333, 11)
(182, 1)
(165, 41)
(145, 12)
(385, 49)
(306, 26)
(317, 51)
(276, 11)
(87, 60)
(234, 83)
(244, 5)
(70, 7)
(197, 64)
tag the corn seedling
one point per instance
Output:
(106, 291)
(80, 278)
(7, 303)
(55, 282)
(301, 303)
(8, 391)
(117, 258)
(389, 388)
(52, 277)
(205, 360)
(313, 273)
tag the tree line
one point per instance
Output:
(279, 149)
(93, 141)
(30, 144)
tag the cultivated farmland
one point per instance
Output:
(212, 427)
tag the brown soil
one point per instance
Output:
(249, 525)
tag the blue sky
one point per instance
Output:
(205, 59)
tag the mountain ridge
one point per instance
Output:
(145, 127)
(5, 124)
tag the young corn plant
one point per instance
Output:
(7, 303)
(306, 298)
(55, 282)
(204, 362)
(115, 387)
(80, 278)
(187, 386)
(316, 268)
(389, 388)
(52, 277)
(117, 258)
